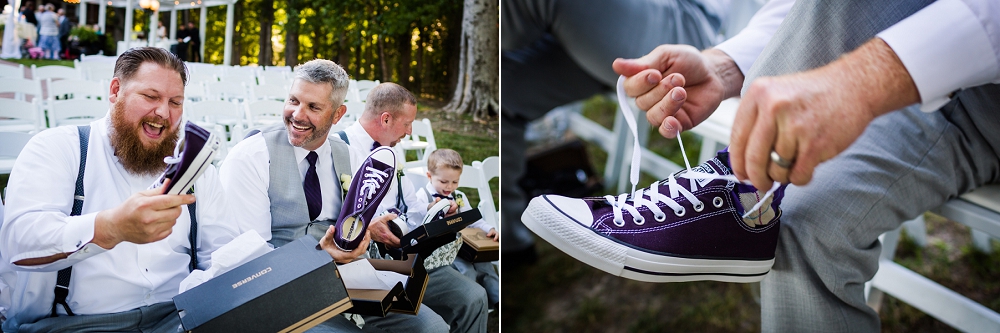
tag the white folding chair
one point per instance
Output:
(421, 139)
(265, 112)
(272, 77)
(489, 169)
(12, 71)
(77, 111)
(367, 84)
(239, 76)
(54, 72)
(13, 143)
(354, 110)
(363, 95)
(76, 89)
(224, 113)
(21, 88)
(19, 116)
(201, 77)
(95, 70)
(226, 91)
(195, 91)
(269, 91)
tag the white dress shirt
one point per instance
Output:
(948, 45)
(246, 178)
(422, 195)
(37, 224)
(361, 145)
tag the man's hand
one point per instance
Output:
(341, 256)
(679, 86)
(145, 217)
(380, 232)
(812, 116)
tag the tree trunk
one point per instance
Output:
(292, 34)
(359, 55)
(386, 73)
(317, 36)
(343, 57)
(266, 21)
(404, 46)
(418, 76)
(476, 91)
(237, 53)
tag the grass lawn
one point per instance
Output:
(561, 294)
(41, 62)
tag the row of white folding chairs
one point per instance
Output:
(214, 90)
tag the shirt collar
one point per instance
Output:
(359, 137)
(300, 153)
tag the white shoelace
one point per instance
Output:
(176, 157)
(373, 180)
(638, 198)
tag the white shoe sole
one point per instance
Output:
(197, 166)
(591, 248)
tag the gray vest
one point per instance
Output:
(289, 213)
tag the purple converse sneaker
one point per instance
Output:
(678, 229)
(369, 186)
(700, 223)
(195, 150)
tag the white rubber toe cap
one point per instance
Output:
(575, 208)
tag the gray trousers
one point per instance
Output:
(158, 318)
(559, 51)
(460, 301)
(483, 273)
(426, 321)
(904, 164)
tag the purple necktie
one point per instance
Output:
(376, 145)
(314, 198)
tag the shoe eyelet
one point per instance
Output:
(660, 217)
(619, 222)
(680, 212)
(717, 202)
(700, 206)
(639, 220)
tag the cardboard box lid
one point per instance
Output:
(237, 288)
(404, 298)
(419, 239)
(477, 239)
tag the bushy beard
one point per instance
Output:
(135, 157)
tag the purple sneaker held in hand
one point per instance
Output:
(700, 223)
(195, 150)
(369, 186)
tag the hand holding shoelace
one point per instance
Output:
(809, 117)
(145, 217)
(679, 86)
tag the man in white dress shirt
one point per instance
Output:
(388, 116)
(842, 83)
(129, 246)
(264, 175)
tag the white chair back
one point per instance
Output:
(227, 91)
(211, 113)
(354, 110)
(19, 116)
(272, 77)
(367, 84)
(12, 71)
(269, 91)
(21, 88)
(77, 111)
(54, 72)
(75, 89)
(489, 168)
(195, 91)
(13, 143)
(265, 112)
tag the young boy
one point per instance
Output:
(444, 168)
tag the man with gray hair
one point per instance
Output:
(267, 175)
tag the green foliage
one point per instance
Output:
(84, 34)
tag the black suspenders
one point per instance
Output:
(62, 278)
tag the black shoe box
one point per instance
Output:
(476, 247)
(290, 289)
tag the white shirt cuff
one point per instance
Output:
(945, 48)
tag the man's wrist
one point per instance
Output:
(875, 76)
(725, 68)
